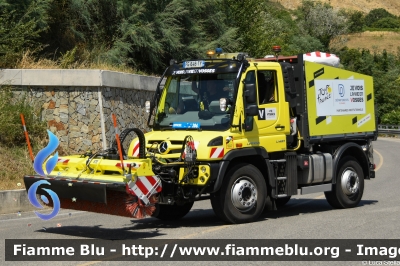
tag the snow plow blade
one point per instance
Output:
(69, 189)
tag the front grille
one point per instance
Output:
(176, 146)
(173, 142)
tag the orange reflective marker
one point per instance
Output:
(27, 138)
(118, 142)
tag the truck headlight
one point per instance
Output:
(203, 169)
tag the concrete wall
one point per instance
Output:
(77, 104)
(14, 201)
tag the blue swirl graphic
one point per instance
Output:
(45, 199)
(44, 153)
(32, 198)
(38, 166)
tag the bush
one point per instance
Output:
(391, 118)
(11, 131)
(356, 20)
(377, 14)
(387, 23)
(304, 44)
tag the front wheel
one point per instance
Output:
(349, 187)
(242, 196)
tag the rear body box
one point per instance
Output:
(340, 103)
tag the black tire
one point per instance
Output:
(241, 198)
(217, 207)
(172, 212)
(280, 202)
(349, 187)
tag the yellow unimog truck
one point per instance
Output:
(279, 127)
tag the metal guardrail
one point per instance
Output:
(389, 129)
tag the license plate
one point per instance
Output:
(186, 125)
(193, 64)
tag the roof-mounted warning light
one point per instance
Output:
(277, 49)
(210, 53)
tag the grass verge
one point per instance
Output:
(15, 163)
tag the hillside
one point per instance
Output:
(375, 41)
(392, 6)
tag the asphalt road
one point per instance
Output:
(304, 217)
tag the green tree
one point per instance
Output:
(385, 69)
(152, 32)
(261, 24)
(355, 19)
(87, 24)
(386, 23)
(20, 29)
(321, 21)
(376, 14)
(304, 44)
(3, 4)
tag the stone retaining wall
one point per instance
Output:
(75, 114)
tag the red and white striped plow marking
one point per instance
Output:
(319, 54)
(322, 58)
(217, 152)
(135, 151)
(144, 187)
(62, 160)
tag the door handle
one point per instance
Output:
(279, 127)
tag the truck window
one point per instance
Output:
(266, 86)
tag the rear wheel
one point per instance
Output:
(242, 196)
(349, 187)
(172, 212)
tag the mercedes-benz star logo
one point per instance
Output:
(163, 147)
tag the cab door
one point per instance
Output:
(272, 123)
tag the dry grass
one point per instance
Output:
(374, 41)
(15, 163)
(28, 61)
(392, 6)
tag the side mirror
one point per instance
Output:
(288, 78)
(251, 110)
(250, 93)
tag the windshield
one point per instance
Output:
(193, 102)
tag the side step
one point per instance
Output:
(278, 179)
(315, 189)
(285, 171)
